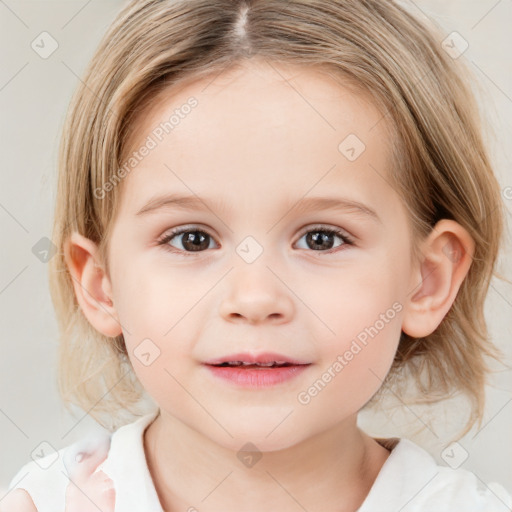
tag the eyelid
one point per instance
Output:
(326, 227)
(186, 227)
(178, 230)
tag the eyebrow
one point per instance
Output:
(310, 204)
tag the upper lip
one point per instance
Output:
(266, 357)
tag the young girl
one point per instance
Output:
(268, 212)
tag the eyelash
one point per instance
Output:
(163, 241)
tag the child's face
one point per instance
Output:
(255, 149)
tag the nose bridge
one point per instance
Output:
(253, 291)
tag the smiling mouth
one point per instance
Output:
(259, 366)
(256, 375)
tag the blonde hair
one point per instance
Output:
(440, 165)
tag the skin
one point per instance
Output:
(258, 144)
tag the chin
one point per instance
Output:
(261, 437)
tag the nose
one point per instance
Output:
(256, 295)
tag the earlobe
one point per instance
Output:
(92, 285)
(447, 255)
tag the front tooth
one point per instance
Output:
(234, 363)
(257, 364)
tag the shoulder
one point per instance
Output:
(18, 500)
(41, 484)
(460, 487)
(411, 481)
(440, 488)
(110, 467)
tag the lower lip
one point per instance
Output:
(256, 378)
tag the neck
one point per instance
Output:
(333, 470)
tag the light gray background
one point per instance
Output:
(34, 94)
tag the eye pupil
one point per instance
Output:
(196, 240)
(320, 238)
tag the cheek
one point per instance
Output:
(361, 312)
(354, 361)
(144, 303)
(156, 310)
(348, 299)
(150, 299)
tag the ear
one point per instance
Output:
(447, 254)
(93, 288)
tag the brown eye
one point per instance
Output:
(322, 239)
(187, 240)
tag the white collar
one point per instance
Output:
(399, 480)
(135, 490)
(406, 472)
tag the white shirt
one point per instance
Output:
(409, 481)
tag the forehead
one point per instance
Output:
(261, 129)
